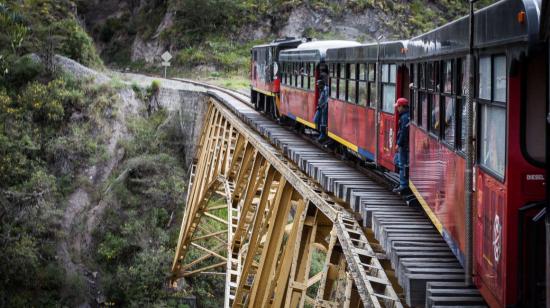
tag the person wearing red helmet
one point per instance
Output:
(402, 106)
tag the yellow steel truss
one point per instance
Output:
(275, 219)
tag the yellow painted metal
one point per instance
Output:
(274, 223)
(426, 208)
(263, 92)
(343, 141)
(306, 123)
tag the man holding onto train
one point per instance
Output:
(322, 107)
(402, 106)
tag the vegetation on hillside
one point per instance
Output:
(41, 147)
(215, 36)
(53, 127)
(137, 233)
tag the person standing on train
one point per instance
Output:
(322, 107)
(402, 106)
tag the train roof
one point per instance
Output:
(496, 24)
(313, 51)
(284, 42)
(394, 51)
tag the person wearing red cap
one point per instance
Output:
(402, 106)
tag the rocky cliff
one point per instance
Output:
(131, 30)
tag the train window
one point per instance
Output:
(429, 75)
(333, 81)
(449, 120)
(372, 72)
(362, 92)
(306, 75)
(492, 94)
(291, 74)
(499, 79)
(415, 75)
(393, 73)
(448, 76)
(485, 78)
(385, 72)
(423, 110)
(388, 87)
(412, 75)
(352, 84)
(436, 83)
(342, 82)
(460, 107)
(373, 94)
(463, 78)
(311, 76)
(285, 72)
(297, 76)
(493, 138)
(421, 76)
(434, 114)
(388, 99)
(412, 93)
(302, 80)
(463, 114)
(282, 73)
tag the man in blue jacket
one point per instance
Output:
(322, 108)
(402, 106)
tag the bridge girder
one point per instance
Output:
(277, 220)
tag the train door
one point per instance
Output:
(391, 80)
(386, 125)
(405, 92)
(532, 216)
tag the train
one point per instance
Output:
(503, 235)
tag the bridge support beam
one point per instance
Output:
(287, 243)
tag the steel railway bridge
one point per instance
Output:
(279, 201)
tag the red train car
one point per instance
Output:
(509, 175)
(545, 30)
(265, 74)
(300, 69)
(365, 82)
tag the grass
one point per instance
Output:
(231, 82)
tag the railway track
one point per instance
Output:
(425, 269)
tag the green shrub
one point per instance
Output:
(24, 70)
(112, 248)
(76, 44)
